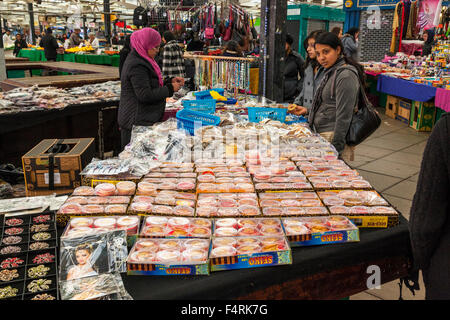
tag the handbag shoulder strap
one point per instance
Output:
(361, 87)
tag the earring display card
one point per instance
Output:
(93, 254)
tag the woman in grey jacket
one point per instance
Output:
(337, 96)
(313, 76)
(350, 44)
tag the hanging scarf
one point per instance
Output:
(143, 40)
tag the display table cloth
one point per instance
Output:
(317, 272)
(442, 100)
(405, 89)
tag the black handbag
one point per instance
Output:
(365, 120)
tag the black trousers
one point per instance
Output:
(125, 137)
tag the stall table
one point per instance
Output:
(331, 271)
(99, 59)
(82, 74)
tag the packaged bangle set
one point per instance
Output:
(169, 257)
(82, 226)
(366, 208)
(231, 227)
(170, 203)
(227, 205)
(28, 259)
(175, 227)
(228, 253)
(309, 231)
(286, 204)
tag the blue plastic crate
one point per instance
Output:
(296, 119)
(206, 105)
(206, 94)
(189, 120)
(256, 114)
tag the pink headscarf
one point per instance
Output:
(143, 40)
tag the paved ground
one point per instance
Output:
(390, 160)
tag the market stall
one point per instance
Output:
(80, 74)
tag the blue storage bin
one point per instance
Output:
(206, 94)
(297, 119)
(206, 105)
(256, 114)
(188, 120)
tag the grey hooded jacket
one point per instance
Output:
(339, 99)
(310, 83)
(350, 47)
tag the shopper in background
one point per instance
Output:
(93, 41)
(124, 53)
(313, 76)
(294, 72)
(195, 44)
(49, 43)
(143, 95)
(232, 49)
(75, 39)
(350, 43)
(19, 44)
(337, 31)
(337, 95)
(7, 41)
(429, 222)
(172, 57)
(428, 38)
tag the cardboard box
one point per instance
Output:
(47, 172)
(391, 106)
(422, 116)
(254, 260)
(404, 111)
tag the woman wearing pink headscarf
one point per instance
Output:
(143, 94)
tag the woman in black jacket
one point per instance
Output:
(124, 53)
(143, 95)
(429, 221)
(294, 72)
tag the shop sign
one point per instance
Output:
(380, 3)
(348, 3)
(293, 12)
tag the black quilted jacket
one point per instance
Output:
(142, 100)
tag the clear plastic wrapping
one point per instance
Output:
(102, 287)
(93, 254)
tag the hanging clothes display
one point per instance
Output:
(412, 30)
(396, 26)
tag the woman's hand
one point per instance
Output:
(297, 110)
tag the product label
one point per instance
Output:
(369, 221)
(96, 182)
(56, 178)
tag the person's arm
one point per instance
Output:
(299, 99)
(41, 44)
(144, 92)
(430, 206)
(346, 91)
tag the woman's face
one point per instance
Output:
(326, 55)
(340, 34)
(311, 51)
(153, 52)
(425, 36)
(82, 256)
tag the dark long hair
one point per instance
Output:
(312, 35)
(332, 40)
